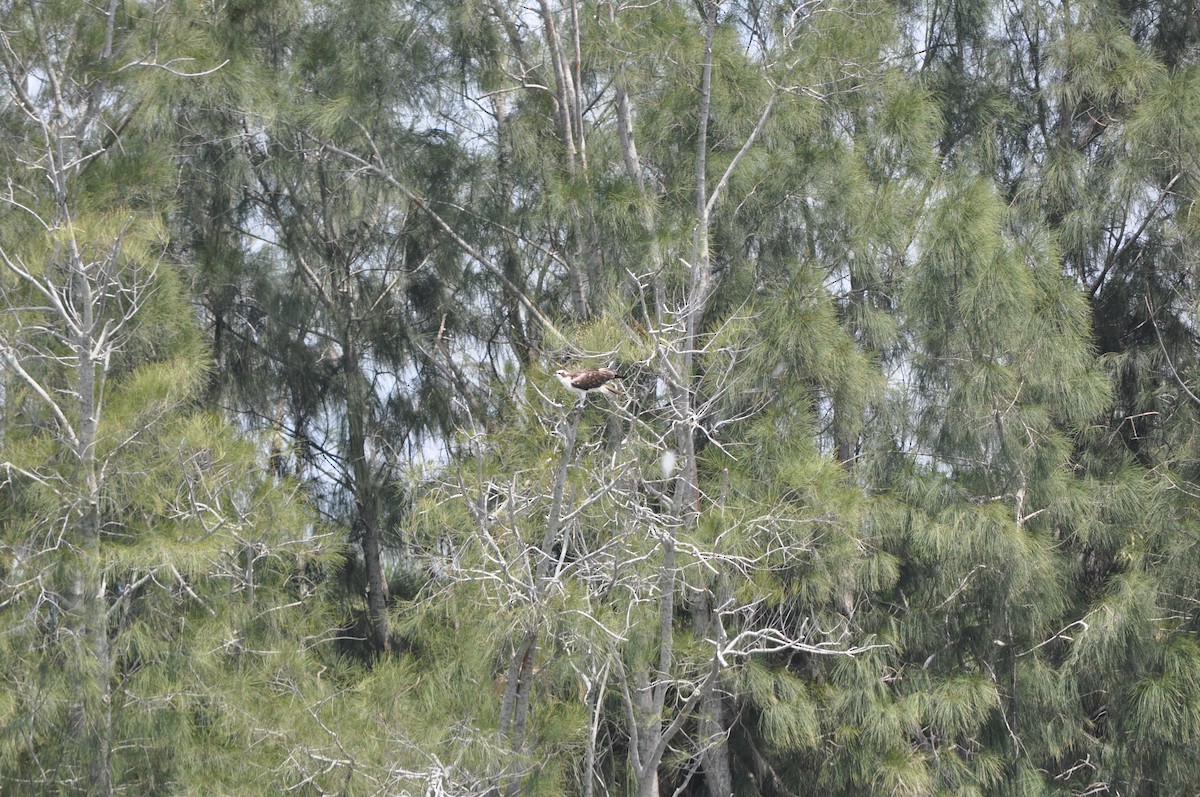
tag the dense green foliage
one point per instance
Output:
(898, 495)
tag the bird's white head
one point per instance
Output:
(564, 376)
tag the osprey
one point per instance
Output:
(589, 380)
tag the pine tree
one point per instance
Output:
(692, 578)
(961, 355)
(898, 497)
(149, 563)
(342, 333)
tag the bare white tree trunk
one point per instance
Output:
(67, 331)
(70, 291)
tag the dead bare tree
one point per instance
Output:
(582, 561)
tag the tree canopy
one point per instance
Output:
(896, 493)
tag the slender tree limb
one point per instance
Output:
(10, 359)
(1113, 257)
(458, 240)
(1174, 371)
(733, 164)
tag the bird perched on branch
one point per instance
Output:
(589, 380)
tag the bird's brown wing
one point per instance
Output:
(592, 379)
